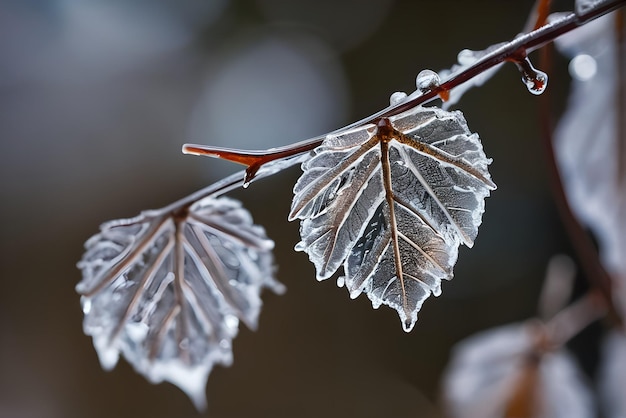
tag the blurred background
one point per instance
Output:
(96, 99)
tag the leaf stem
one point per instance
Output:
(570, 321)
(514, 50)
(386, 132)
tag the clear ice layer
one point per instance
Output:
(395, 243)
(167, 290)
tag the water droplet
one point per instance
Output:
(397, 97)
(537, 83)
(583, 67)
(301, 246)
(466, 57)
(535, 80)
(86, 305)
(427, 80)
(341, 281)
(408, 325)
(231, 321)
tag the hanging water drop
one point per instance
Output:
(537, 83)
(535, 80)
(341, 281)
(397, 97)
(427, 80)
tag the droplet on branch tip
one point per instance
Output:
(535, 80)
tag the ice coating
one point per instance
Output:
(535, 80)
(167, 290)
(465, 59)
(427, 80)
(391, 204)
(397, 97)
(583, 6)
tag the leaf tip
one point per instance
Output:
(198, 399)
(408, 324)
(108, 355)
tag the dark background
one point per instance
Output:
(96, 99)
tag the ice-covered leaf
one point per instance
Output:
(391, 203)
(613, 375)
(587, 143)
(167, 289)
(505, 372)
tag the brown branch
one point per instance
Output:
(584, 247)
(514, 51)
(574, 318)
(541, 12)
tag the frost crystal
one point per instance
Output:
(167, 290)
(391, 203)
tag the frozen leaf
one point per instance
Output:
(504, 372)
(587, 144)
(391, 203)
(613, 375)
(167, 289)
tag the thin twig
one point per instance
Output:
(571, 320)
(515, 50)
(581, 241)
